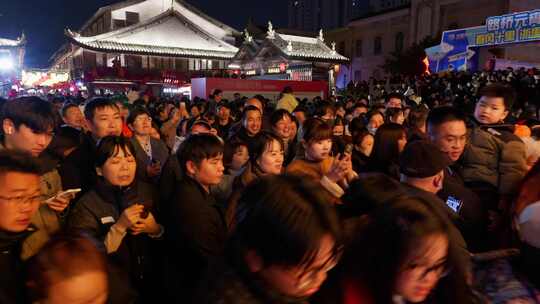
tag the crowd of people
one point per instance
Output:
(411, 190)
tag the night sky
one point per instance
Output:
(43, 21)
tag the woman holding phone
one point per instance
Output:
(119, 212)
(318, 164)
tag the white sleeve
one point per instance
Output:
(114, 239)
(332, 187)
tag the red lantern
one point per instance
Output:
(282, 67)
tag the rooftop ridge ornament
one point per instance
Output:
(72, 33)
(289, 46)
(333, 48)
(271, 32)
(247, 37)
(321, 36)
(22, 38)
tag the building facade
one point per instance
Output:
(312, 15)
(285, 56)
(147, 42)
(369, 40)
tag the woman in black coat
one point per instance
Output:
(118, 211)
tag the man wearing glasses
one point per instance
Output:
(20, 198)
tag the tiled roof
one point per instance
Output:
(305, 48)
(168, 34)
(111, 46)
(12, 43)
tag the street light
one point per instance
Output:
(6, 64)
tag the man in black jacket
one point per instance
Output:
(251, 127)
(19, 200)
(195, 223)
(446, 128)
(422, 173)
(103, 118)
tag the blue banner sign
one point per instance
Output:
(458, 48)
(511, 28)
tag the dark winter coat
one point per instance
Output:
(160, 152)
(494, 156)
(78, 169)
(360, 162)
(100, 208)
(12, 282)
(470, 209)
(196, 234)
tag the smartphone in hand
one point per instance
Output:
(68, 192)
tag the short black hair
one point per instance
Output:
(278, 115)
(66, 107)
(393, 95)
(282, 211)
(440, 115)
(65, 138)
(499, 90)
(136, 112)
(110, 146)
(372, 113)
(358, 124)
(249, 109)
(194, 122)
(97, 103)
(391, 112)
(359, 105)
(33, 112)
(372, 190)
(225, 105)
(18, 161)
(197, 148)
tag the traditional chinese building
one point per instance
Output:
(11, 62)
(286, 56)
(149, 42)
